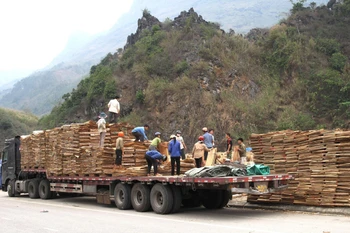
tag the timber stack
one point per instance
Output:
(319, 160)
(73, 150)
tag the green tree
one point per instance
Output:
(297, 6)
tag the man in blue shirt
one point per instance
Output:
(139, 133)
(175, 154)
(208, 141)
(152, 158)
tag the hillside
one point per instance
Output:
(43, 89)
(13, 123)
(187, 73)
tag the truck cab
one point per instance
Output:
(11, 164)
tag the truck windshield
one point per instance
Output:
(4, 156)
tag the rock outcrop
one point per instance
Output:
(146, 22)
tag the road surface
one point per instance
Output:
(83, 214)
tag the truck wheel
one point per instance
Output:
(161, 199)
(212, 199)
(44, 189)
(33, 188)
(122, 196)
(177, 198)
(140, 197)
(226, 195)
(11, 188)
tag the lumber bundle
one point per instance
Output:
(73, 150)
(319, 160)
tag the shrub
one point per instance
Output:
(338, 61)
(327, 46)
(140, 96)
(181, 67)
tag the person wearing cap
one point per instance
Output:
(208, 141)
(153, 157)
(155, 142)
(119, 145)
(140, 133)
(175, 154)
(198, 151)
(114, 109)
(101, 126)
(180, 139)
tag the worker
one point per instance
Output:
(208, 141)
(101, 126)
(119, 145)
(140, 133)
(153, 157)
(198, 151)
(183, 147)
(175, 154)
(228, 145)
(242, 150)
(211, 131)
(155, 142)
(114, 109)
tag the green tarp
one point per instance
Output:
(258, 169)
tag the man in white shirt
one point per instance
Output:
(114, 109)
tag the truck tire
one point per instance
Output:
(140, 197)
(212, 199)
(33, 188)
(44, 189)
(161, 199)
(177, 195)
(11, 188)
(226, 195)
(122, 196)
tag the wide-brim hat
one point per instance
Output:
(102, 115)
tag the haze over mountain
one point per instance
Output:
(42, 90)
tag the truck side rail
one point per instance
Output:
(173, 179)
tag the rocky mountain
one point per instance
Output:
(41, 91)
(187, 73)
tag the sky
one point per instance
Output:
(33, 32)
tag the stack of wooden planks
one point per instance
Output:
(73, 150)
(319, 160)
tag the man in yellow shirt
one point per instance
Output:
(155, 142)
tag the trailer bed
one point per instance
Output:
(172, 179)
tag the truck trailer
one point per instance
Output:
(162, 194)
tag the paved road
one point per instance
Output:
(83, 214)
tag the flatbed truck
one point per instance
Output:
(162, 194)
